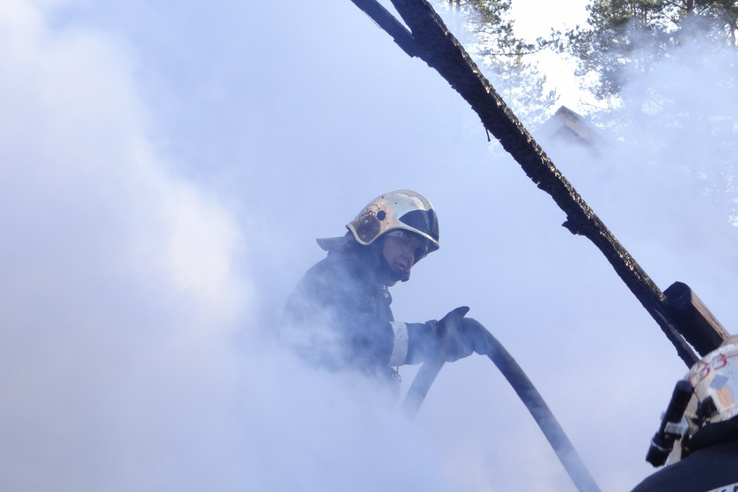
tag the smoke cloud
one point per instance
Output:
(164, 170)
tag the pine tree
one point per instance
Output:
(667, 71)
(506, 58)
(627, 37)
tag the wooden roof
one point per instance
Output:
(566, 126)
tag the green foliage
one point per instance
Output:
(667, 72)
(506, 58)
(626, 37)
(683, 55)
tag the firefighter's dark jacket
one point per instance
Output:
(339, 315)
(711, 466)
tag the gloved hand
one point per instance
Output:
(449, 339)
(454, 342)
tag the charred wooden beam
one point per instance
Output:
(384, 19)
(693, 320)
(447, 56)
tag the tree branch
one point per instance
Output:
(446, 55)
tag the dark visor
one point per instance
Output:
(422, 220)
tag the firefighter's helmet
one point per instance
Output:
(715, 383)
(708, 394)
(401, 209)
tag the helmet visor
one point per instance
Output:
(422, 220)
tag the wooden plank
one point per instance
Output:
(448, 57)
(391, 26)
(693, 320)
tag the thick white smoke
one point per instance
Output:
(134, 355)
(164, 170)
(119, 290)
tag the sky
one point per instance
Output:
(165, 168)
(534, 19)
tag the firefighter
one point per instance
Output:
(339, 315)
(706, 455)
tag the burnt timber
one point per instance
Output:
(430, 40)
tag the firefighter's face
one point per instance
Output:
(401, 249)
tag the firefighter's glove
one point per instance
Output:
(455, 341)
(445, 340)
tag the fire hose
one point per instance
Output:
(487, 344)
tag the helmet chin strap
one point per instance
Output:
(398, 276)
(390, 276)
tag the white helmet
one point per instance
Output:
(401, 209)
(712, 390)
(715, 383)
